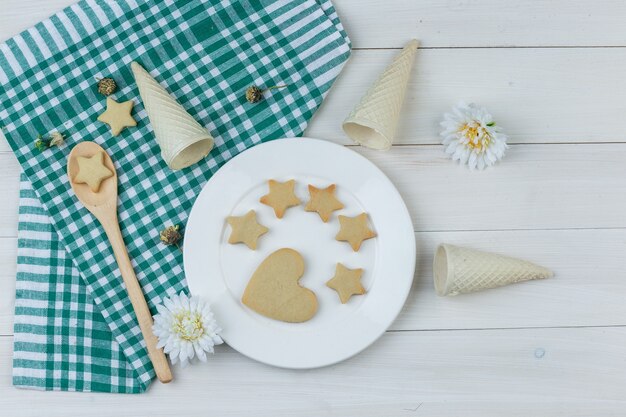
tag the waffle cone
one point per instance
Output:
(374, 120)
(182, 139)
(460, 270)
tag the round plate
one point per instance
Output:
(219, 271)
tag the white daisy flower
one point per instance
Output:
(472, 137)
(186, 328)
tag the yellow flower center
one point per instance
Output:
(188, 326)
(475, 136)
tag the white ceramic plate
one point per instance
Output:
(219, 271)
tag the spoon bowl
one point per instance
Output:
(108, 188)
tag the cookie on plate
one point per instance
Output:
(281, 197)
(347, 282)
(323, 201)
(354, 230)
(246, 229)
(274, 290)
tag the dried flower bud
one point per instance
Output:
(41, 144)
(56, 139)
(107, 86)
(171, 235)
(254, 94)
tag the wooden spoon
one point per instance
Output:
(103, 205)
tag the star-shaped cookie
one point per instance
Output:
(281, 197)
(246, 229)
(92, 171)
(117, 115)
(354, 230)
(347, 282)
(323, 201)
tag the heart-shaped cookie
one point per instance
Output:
(274, 291)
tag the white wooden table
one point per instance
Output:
(553, 73)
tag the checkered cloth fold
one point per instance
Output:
(74, 325)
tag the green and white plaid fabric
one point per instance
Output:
(74, 326)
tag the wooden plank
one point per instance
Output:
(536, 95)
(539, 96)
(535, 187)
(561, 371)
(9, 190)
(462, 23)
(8, 253)
(587, 290)
(448, 24)
(16, 15)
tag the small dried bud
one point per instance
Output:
(171, 235)
(57, 139)
(254, 94)
(41, 144)
(107, 86)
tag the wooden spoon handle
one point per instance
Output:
(159, 361)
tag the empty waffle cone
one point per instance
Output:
(374, 120)
(460, 270)
(182, 139)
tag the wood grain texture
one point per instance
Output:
(483, 23)
(8, 254)
(536, 95)
(10, 192)
(552, 74)
(451, 23)
(587, 290)
(556, 370)
(535, 187)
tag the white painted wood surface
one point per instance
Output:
(552, 72)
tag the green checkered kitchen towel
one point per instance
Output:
(74, 326)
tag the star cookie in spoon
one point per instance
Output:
(92, 171)
(117, 115)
